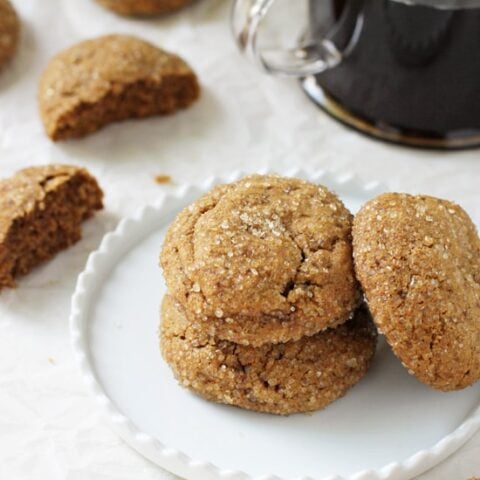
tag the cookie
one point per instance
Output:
(418, 260)
(41, 210)
(144, 7)
(263, 260)
(109, 79)
(9, 32)
(298, 376)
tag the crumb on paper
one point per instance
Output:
(163, 179)
(51, 361)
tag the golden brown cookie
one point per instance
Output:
(109, 79)
(263, 260)
(144, 7)
(9, 32)
(41, 210)
(298, 376)
(418, 260)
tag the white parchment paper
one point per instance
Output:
(49, 426)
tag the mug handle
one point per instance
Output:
(309, 57)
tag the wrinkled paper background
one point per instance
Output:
(50, 427)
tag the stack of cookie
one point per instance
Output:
(263, 308)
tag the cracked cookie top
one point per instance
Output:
(418, 260)
(263, 260)
(297, 376)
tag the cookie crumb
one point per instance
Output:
(163, 179)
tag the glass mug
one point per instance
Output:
(406, 72)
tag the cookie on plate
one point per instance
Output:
(144, 7)
(298, 376)
(109, 79)
(41, 211)
(418, 260)
(263, 260)
(9, 32)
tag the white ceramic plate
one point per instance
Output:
(389, 426)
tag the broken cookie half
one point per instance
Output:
(41, 211)
(109, 79)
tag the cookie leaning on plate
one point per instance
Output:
(41, 211)
(298, 376)
(9, 32)
(263, 260)
(109, 79)
(144, 7)
(418, 260)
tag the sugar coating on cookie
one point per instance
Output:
(418, 260)
(9, 32)
(263, 260)
(144, 7)
(109, 79)
(298, 376)
(41, 211)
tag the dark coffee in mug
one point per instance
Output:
(413, 75)
(406, 71)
